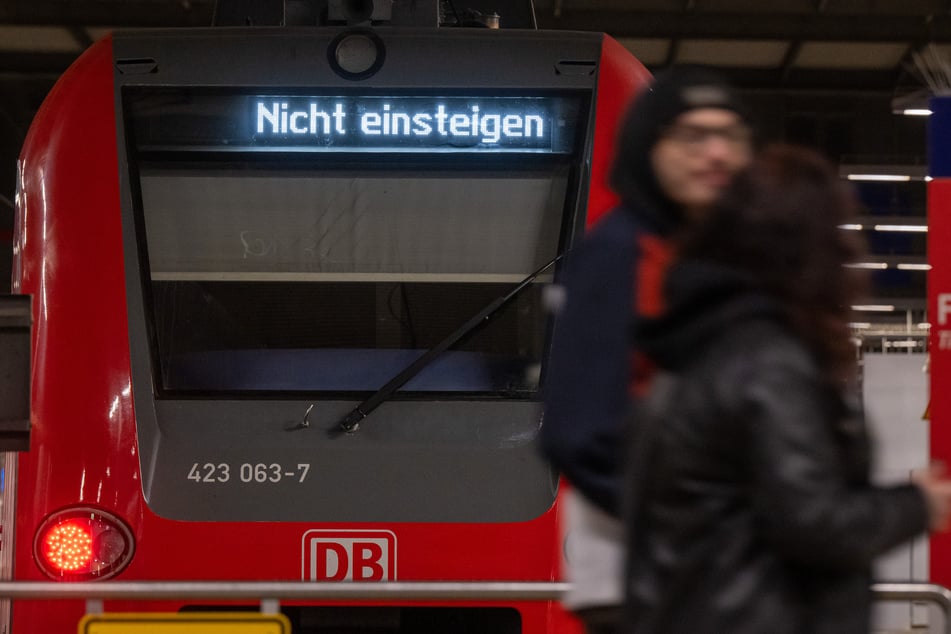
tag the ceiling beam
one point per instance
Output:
(673, 49)
(113, 13)
(789, 57)
(807, 80)
(20, 66)
(764, 26)
(33, 62)
(81, 36)
(688, 23)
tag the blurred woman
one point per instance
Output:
(750, 503)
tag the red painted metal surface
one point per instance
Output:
(68, 248)
(939, 292)
(69, 257)
(620, 77)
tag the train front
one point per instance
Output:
(289, 311)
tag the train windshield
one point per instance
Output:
(298, 271)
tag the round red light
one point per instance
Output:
(80, 544)
(68, 546)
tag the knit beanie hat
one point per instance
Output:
(673, 92)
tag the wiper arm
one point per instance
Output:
(351, 422)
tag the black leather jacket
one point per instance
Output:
(751, 506)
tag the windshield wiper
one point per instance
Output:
(351, 422)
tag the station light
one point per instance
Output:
(874, 308)
(909, 228)
(854, 226)
(897, 178)
(878, 266)
(883, 172)
(82, 544)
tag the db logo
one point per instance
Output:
(332, 555)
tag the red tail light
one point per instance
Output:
(81, 544)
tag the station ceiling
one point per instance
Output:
(788, 44)
(820, 71)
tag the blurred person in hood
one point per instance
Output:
(680, 144)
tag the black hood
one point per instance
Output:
(703, 299)
(673, 92)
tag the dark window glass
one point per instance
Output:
(283, 280)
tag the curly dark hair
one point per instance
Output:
(779, 222)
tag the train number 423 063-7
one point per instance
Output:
(247, 473)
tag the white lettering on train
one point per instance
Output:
(357, 555)
(277, 118)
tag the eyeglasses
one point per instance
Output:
(694, 137)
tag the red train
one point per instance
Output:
(235, 239)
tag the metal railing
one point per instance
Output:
(314, 590)
(269, 593)
(929, 592)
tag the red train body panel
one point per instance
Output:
(939, 408)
